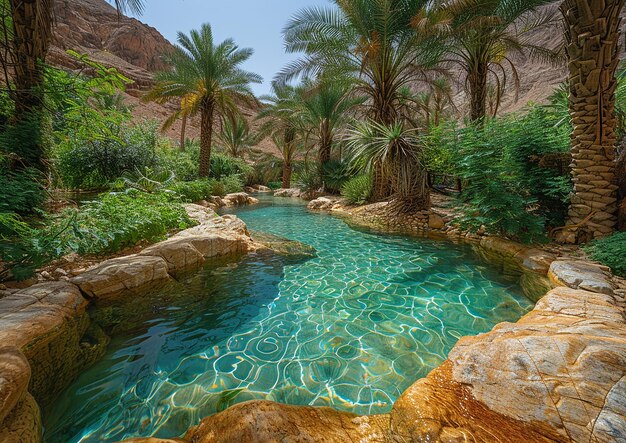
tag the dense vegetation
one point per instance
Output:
(369, 110)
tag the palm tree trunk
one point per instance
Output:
(206, 135)
(592, 36)
(183, 130)
(286, 174)
(32, 27)
(478, 91)
(325, 143)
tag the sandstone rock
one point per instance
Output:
(48, 322)
(261, 188)
(200, 213)
(320, 204)
(265, 421)
(435, 221)
(239, 199)
(562, 366)
(113, 276)
(287, 192)
(23, 424)
(14, 378)
(578, 274)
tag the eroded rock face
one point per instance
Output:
(48, 322)
(239, 199)
(579, 274)
(287, 192)
(563, 364)
(320, 204)
(265, 421)
(214, 236)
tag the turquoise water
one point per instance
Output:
(351, 328)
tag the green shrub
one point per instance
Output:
(232, 183)
(357, 190)
(108, 225)
(334, 174)
(20, 191)
(223, 165)
(274, 185)
(308, 178)
(514, 172)
(610, 251)
(95, 161)
(194, 191)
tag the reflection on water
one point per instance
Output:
(351, 328)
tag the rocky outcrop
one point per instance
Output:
(214, 236)
(257, 188)
(239, 199)
(321, 204)
(95, 28)
(49, 335)
(288, 192)
(579, 274)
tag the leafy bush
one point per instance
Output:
(20, 191)
(223, 165)
(114, 222)
(357, 190)
(232, 183)
(334, 174)
(610, 251)
(514, 170)
(194, 191)
(91, 161)
(308, 178)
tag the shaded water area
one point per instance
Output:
(351, 328)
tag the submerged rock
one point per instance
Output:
(284, 246)
(265, 421)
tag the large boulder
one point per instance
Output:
(321, 204)
(578, 274)
(116, 275)
(239, 199)
(265, 421)
(287, 192)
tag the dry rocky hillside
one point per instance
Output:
(95, 28)
(134, 48)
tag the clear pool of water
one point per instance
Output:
(351, 328)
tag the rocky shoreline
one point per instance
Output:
(558, 374)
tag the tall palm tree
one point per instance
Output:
(210, 77)
(236, 137)
(482, 35)
(325, 109)
(592, 31)
(283, 123)
(369, 41)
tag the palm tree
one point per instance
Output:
(325, 108)
(208, 76)
(283, 123)
(592, 31)
(236, 137)
(482, 35)
(397, 149)
(370, 42)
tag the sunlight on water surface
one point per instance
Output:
(351, 328)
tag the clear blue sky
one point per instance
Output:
(251, 23)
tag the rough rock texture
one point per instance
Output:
(264, 421)
(239, 199)
(94, 27)
(23, 425)
(321, 204)
(214, 236)
(580, 274)
(113, 276)
(283, 246)
(563, 365)
(287, 192)
(257, 188)
(49, 324)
